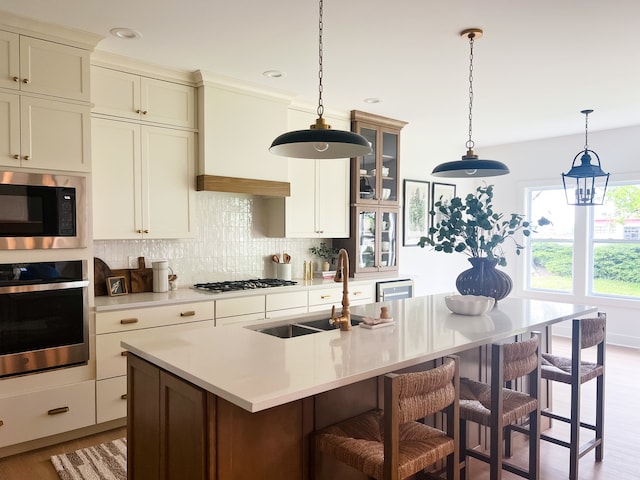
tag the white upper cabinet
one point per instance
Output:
(43, 133)
(145, 178)
(31, 65)
(127, 95)
(319, 203)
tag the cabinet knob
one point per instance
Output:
(26, 81)
(138, 110)
(146, 230)
(123, 396)
(124, 353)
(1, 423)
(16, 79)
(58, 411)
(144, 112)
(26, 157)
(17, 157)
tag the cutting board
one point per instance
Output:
(141, 278)
(101, 272)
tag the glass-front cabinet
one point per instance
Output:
(375, 177)
(373, 246)
(375, 195)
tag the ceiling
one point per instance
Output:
(538, 64)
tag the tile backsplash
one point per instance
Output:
(229, 244)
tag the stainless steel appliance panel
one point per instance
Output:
(394, 290)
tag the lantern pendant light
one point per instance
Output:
(470, 165)
(590, 180)
(320, 141)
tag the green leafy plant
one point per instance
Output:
(471, 226)
(325, 252)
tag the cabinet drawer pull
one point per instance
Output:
(357, 293)
(123, 396)
(188, 313)
(124, 353)
(325, 296)
(58, 411)
(126, 321)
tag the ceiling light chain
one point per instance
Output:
(320, 141)
(470, 143)
(586, 128)
(320, 69)
(470, 165)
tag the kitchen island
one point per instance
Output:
(235, 403)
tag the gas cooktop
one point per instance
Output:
(234, 285)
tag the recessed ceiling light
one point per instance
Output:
(372, 100)
(274, 74)
(126, 33)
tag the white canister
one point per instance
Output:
(283, 271)
(160, 276)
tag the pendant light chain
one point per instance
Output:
(470, 143)
(586, 129)
(320, 28)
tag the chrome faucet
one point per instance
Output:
(342, 275)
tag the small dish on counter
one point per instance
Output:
(370, 322)
(469, 304)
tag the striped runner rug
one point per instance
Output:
(107, 461)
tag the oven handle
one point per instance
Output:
(43, 287)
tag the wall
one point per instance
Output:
(541, 161)
(229, 244)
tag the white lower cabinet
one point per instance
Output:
(113, 327)
(284, 304)
(111, 399)
(239, 310)
(47, 412)
(324, 298)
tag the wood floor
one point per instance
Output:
(622, 432)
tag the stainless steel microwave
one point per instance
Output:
(42, 211)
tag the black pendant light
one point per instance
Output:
(587, 181)
(320, 141)
(470, 165)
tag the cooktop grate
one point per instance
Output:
(235, 285)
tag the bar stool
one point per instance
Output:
(586, 333)
(494, 406)
(391, 445)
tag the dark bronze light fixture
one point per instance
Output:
(587, 181)
(320, 141)
(470, 165)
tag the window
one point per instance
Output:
(607, 237)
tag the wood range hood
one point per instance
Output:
(266, 188)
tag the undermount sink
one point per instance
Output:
(297, 329)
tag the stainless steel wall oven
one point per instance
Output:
(44, 314)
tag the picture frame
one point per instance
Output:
(416, 211)
(116, 286)
(445, 190)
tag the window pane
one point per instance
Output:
(550, 256)
(616, 243)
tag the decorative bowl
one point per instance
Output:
(469, 304)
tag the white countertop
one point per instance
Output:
(257, 371)
(184, 295)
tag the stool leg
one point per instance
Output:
(463, 449)
(574, 439)
(600, 405)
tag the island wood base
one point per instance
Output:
(178, 430)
